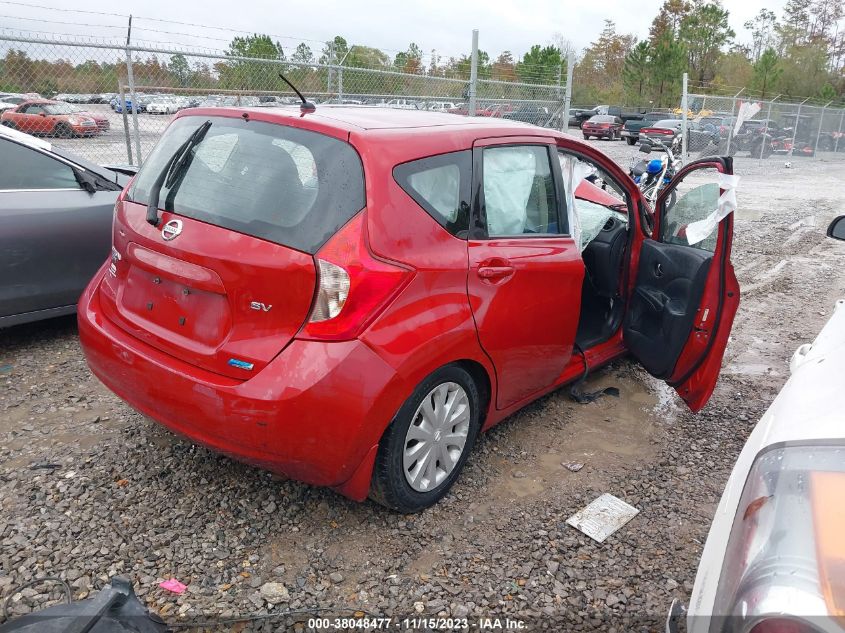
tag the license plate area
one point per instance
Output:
(192, 318)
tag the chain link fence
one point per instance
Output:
(739, 125)
(117, 99)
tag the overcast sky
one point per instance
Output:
(444, 25)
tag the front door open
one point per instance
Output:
(686, 294)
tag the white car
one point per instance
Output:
(163, 106)
(439, 106)
(774, 560)
(10, 100)
(403, 104)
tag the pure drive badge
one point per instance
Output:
(240, 364)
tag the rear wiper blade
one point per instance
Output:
(172, 169)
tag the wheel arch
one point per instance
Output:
(357, 487)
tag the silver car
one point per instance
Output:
(55, 226)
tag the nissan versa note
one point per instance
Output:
(348, 296)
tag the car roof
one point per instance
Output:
(352, 118)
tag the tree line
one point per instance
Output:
(799, 53)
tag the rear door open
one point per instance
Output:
(227, 277)
(685, 296)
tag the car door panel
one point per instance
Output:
(685, 295)
(669, 285)
(51, 244)
(525, 297)
(523, 289)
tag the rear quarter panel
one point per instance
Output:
(430, 323)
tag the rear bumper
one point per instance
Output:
(629, 133)
(314, 414)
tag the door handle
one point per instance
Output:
(495, 272)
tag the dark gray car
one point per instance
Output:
(55, 226)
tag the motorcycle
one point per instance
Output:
(655, 174)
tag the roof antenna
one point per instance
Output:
(306, 106)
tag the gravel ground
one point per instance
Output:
(90, 489)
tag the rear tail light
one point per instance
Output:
(353, 285)
(332, 292)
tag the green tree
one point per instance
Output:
(334, 50)
(794, 29)
(409, 61)
(705, 31)
(180, 69)
(303, 54)
(602, 64)
(763, 30)
(767, 71)
(668, 61)
(668, 19)
(240, 73)
(541, 64)
(637, 71)
(827, 93)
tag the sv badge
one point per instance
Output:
(261, 307)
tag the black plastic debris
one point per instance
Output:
(115, 609)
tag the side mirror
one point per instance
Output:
(836, 230)
(645, 147)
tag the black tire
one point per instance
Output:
(63, 131)
(630, 140)
(389, 487)
(586, 137)
(9, 124)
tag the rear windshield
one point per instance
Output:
(278, 183)
(602, 118)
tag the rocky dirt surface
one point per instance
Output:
(90, 489)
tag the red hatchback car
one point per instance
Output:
(50, 118)
(349, 296)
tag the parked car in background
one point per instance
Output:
(218, 101)
(529, 113)
(49, 118)
(665, 130)
(55, 226)
(498, 109)
(10, 101)
(602, 126)
(164, 105)
(577, 116)
(263, 300)
(463, 110)
(100, 119)
(403, 104)
(438, 106)
(617, 111)
(774, 556)
(631, 129)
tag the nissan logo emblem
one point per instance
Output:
(171, 230)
